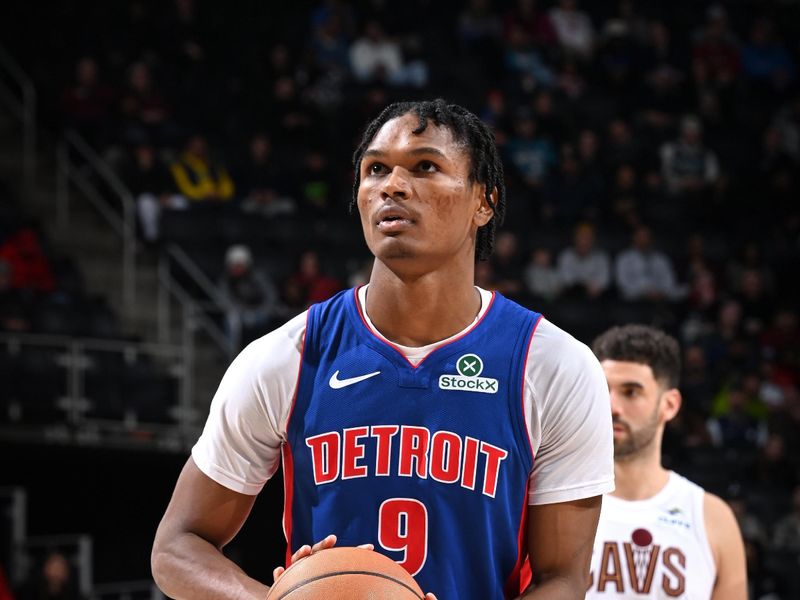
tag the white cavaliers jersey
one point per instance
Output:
(654, 548)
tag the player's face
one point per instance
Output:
(636, 408)
(415, 198)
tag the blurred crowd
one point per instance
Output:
(652, 157)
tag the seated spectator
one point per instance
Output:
(522, 59)
(376, 57)
(687, 165)
(87, 103)
(260, 181)
(479, 28)
(54, 582)
(317, 193)
(621, 148)
(766, 61)
(573, 28)
(198, 176)
(506, 265)
(624, 196)
(716, 48)
(644, 273)
(736, 428)
(153, 188)
(531, 155)
(145, 113)
(250, 297)
(309, 285)
(534, 24)
(584, 271)
(541, 277)
(787, 529)
(30, 266)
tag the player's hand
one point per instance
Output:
(430, 597)
(306, 551)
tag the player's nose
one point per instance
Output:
(397, 184)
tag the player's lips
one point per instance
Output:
(393, 219)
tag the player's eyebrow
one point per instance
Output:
(631, 384)
(415, 152)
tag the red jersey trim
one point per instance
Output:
(386, 342)
(288, 461)
(521, 575)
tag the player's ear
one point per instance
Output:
(671, 403)
(484, 212)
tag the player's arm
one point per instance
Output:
(560, 539)
(728, 549)
(187, 559)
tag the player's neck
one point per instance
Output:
(640, 477)
(423, 310)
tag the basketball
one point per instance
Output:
(346, 574)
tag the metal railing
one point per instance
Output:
(177, 257)
(16, 509)
(122, 221)
(75, 358)
(22, 106)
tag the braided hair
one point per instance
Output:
(467, 130)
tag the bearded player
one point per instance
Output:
(660, 535)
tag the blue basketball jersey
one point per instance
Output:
(428, 463)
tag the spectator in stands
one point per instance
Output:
(567, 197)
(479, 28)
(309, 284)
(787, 530)
(198, 176)
(621, 148)
(532, 156)
(541, 276)
(644, 273)
(329, 41)
(716, 48)
(583, 269)
(507, 265)
(573, 28)
(376, 57)
(29, 264)
(250, 298)
(624, 197)
(766, 61)
(687, 165)
(736, 428)
(261, 183)
(533, 23)
(525, 61)
(153, 188)
(144, 110)
(54, 582)
(87, 103)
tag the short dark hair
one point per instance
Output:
(645, 345)
(485, 165)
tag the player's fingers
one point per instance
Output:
(366, 546)
(277, 572)
(302, 552)
(430, 597)
(328, 542)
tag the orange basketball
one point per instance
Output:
(346, 574)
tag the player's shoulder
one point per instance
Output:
(555, 348)
(284, 342)
(721, 525)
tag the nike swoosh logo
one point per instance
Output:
(338, 384)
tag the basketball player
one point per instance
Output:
(660, 535)
(407, 413)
